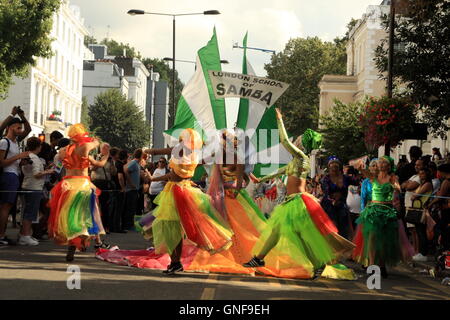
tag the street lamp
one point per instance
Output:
(134, 12)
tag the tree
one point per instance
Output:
(422, 64)
(89, 40)
(25, 27)
(342, 134)
(119, 121)
(84, 119)
(302, 64)
(165, 72)
(117, 49)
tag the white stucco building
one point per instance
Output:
(54, 84)
(136, 74)
(103, 72)
(101, 75)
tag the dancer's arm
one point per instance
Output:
(167, 151)
(26, 125)
(161, 178)
(395, 183)
(275, 174)
(284, 139)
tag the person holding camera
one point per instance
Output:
(16, 111)
(10, 156)
(33, 184)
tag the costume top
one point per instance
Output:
(299, 165)
(73, 161)
(382, 192)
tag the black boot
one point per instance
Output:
(70, 253)
(254, 263)
(174, 267)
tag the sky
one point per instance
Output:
(270, 25)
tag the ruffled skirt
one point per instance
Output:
(301, 238)
(380, 237)
(74, 211)
(186, 212)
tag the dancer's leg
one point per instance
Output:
(175, 265)
(176, 254)
(270, 243)
(258, 261)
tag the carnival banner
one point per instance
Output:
(236, 85)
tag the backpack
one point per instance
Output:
(6, 153)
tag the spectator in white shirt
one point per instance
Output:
(9, 179)
(33, 184)
(157, 186)
(412, 183)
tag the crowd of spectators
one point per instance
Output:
(27, 177)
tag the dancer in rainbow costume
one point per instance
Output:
(299, 234)
(74, 209)
(185, 211)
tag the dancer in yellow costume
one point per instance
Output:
(184, 211)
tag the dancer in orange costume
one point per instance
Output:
(74, 210)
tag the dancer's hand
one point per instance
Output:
(278, 113)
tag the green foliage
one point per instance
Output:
(84, 119)
(342, 134)
(117, 49)
(89, 40)
(421, 61)
(165, 72)
(119, 121)
(25, 26)
(302, 64)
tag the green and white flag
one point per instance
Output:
(198, 108)
(253, 115)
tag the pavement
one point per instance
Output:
(41, 273)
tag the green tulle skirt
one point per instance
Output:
(291, 232)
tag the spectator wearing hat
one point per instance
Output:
(33, 183)
(10, 157)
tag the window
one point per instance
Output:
(79, 84)
(56, 64)
(41, 110)
(64, 31)
(72, 82)
(36, 102)
(67, 73)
